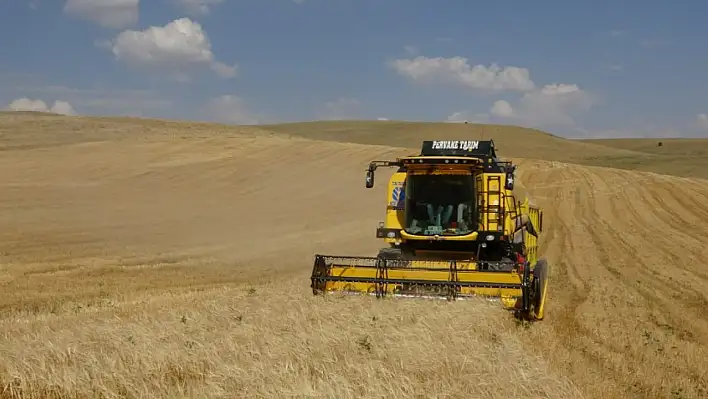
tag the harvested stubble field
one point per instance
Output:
(144, 258)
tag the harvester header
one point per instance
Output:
(453, 229)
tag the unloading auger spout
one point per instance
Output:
(454, 229)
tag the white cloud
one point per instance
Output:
(26, 104)
(502, 109)
(339, 109)
(62, 107)
(114, 14)
(702, 121)
(104, 100)
(197, 7)
(457, 117)
(458, 71)
(381, 119)
(552, 105)
(223, 70)
(174, 48)
(466, 117)
(412, 50)
(230, 109)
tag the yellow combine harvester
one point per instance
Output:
(454, 229)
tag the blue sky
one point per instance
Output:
(594, 69)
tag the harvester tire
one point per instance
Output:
(539, 284)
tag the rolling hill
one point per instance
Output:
(681, 157)
(172, 259)
(512, 141)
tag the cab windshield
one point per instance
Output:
(440, 205)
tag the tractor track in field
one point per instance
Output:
(628, 288)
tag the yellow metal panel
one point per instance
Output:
(428, 275)
(504, 286)
(395, 195)
(530, 240)
(509, 298)
(468, 237)
(439, 170)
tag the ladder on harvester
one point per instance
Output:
(492, 209)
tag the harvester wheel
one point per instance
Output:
(540, 281)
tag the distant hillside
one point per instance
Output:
(511, 141)
(681, 157)
(672, 147)
(42, 130)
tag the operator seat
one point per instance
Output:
(436, 216)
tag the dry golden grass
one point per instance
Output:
(144, 258)
(272, 341)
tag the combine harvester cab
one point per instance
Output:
(453, 229)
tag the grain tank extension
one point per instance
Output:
(453, 229)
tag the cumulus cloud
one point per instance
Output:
(458, 71)
(456, 117)
(26, 104)
(104, 100)
(223, 70)
(62, 107)
(176, 48)
(502, 109)
(197, 7)
(339, 109)
(114, 14)
(702, 121)
(467, 117)
(552, 105)
(410, 49)
(230, 109)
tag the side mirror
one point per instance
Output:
(509, 185)
(369, 178)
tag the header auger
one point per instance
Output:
(454, 229)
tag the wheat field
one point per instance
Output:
(145, 258)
